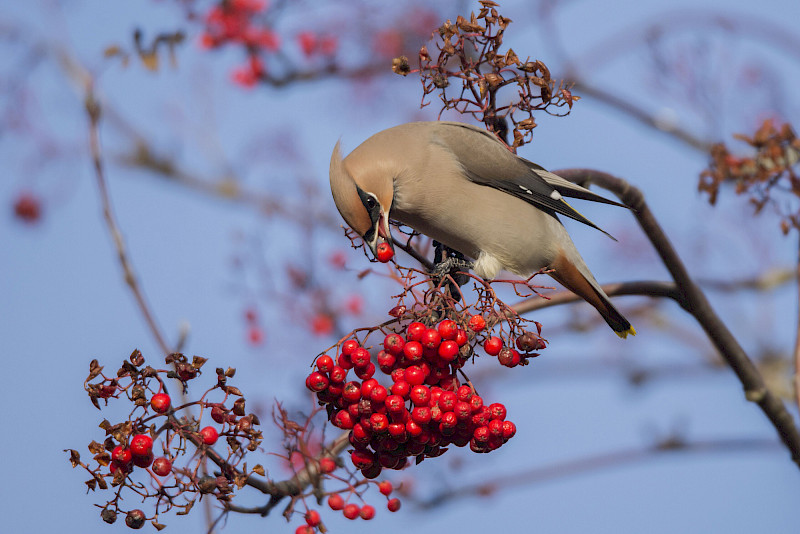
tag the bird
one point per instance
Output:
(463, 187)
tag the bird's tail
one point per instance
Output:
(575, 276)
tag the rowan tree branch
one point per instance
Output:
(694, 301)
(535, 475)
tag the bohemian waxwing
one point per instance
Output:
(461, 186)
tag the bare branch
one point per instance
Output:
(694, 301)
(536, 475)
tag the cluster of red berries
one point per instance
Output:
(139, 452)
(349, 510)
(421, 413)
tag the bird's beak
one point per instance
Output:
(381, 234)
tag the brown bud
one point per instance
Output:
(400, 66)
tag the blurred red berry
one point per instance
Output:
(312, 518)
(28, 208)
(351, 511)
(393, 505)
(327, 465)
(385, 487)
(335, 502)
(367, 512)
(322, 325)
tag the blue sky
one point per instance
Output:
(63, 303)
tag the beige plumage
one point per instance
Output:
(461, 186)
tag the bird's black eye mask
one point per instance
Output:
(373, 207)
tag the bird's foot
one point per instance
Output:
(451, 266)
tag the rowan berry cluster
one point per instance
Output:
(128, 454)
(424, 410)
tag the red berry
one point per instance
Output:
(447, 329)
(312, 518)
(463, 411)
(373, 471)
(397, 430)
(143, 460)
(384, 252)
(304, 529)
(327, 465)
(367, 387)
(360, 357)
(379, 422)
(352, 392)
(160, 402)
(414, 376)
(476, 403)
(338, 374)
(421, 415)
(430, 338)
(414, 331)
(461, 337)
(496, 428)
(464, 393)
(366, 372)
(28, 208)
(477, 323)
(362, 459)
(378, 394)
(508, 357)
(393, 344)
(162, 466)
(401, 388)
(493, 345)
(141, 445)
(349, 346)
(448, 350)
(385, 487)
(325, 363)
(209, 435)
(121, 455)
(509, 429)
(393, 505)
(394, 404)
(413, 351)
(386, 361)
(316, 382)
(447, 401)
(481, 434)
(420, 395)
(351, 511)
(498, 411)
(343, 420)
(336, 502)
(367, 512)
(343, 361)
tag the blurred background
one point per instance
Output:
(219, 184)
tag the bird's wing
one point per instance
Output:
(486, 161)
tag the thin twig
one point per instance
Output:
(694, 301)
(94, 111)
(527, 477)
(797, 341)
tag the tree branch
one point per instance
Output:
(592, 463)
(695, 302)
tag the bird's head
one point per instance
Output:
(363, 195)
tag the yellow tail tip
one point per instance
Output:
(624, 334)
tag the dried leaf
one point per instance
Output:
(96, 448)
(74, 457)
(259, 470)
(94, 369)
